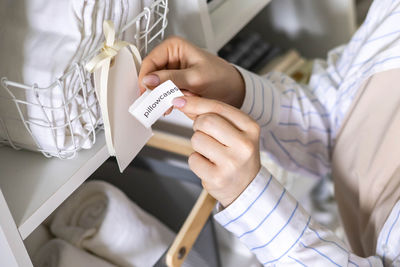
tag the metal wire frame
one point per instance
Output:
(149, 25)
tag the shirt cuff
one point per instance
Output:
(266, 218)
(245, 199)
(261, 101)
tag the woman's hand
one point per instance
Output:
(194, 70)
(226, 144)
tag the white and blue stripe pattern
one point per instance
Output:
(294, 124)
(274, 226)
(298, 128)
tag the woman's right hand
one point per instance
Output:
(194, 70)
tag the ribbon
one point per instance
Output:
(103, 60)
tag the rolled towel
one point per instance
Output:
(100, 218)
(37, 239)
(58, 253)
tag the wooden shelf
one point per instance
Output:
(231, 16)
(35, 186)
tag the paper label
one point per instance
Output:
(153, 104)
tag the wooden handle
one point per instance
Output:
(200, 212)
(190, 230)
(171, 143)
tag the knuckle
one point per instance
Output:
(205, 121)
(196, 79)
(217, 107)
(231, 167)
(247, 147)
(254, 128)
(192, 161)
(195, 140)
(228, 168)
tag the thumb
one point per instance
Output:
(181, 78)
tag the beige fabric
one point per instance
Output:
(366, 161)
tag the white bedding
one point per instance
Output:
(100, 218)
(39, 40)
(58, 253)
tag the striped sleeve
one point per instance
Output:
(298, 126)
(276, 228)
(295, 128)
(299, 122)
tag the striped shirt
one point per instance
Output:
(299, 124)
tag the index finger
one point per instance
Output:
(157, 59)
(195, 106)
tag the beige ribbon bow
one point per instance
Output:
(103, 60)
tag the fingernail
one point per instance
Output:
(151, 80)
(178, 102)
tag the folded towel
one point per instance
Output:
(58, 253)
(100, 218)
(37, 239)
(41, 41)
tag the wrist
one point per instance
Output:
(228, 201)
(237, 87)
(245, 199)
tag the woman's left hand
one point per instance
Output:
(226, 144)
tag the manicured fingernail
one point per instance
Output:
(179, 102)
(151, 80)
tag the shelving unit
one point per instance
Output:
(32, 186)
(34, 192)
(225, 20)
(212, 29)
(35, 186)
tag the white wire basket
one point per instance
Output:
(148, 28)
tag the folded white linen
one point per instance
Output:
(37, 239)
(58, 253)
(100, 218)
(41, 41)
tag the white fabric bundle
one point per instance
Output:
(40, 41)
(58, 253)
(100, 218)
(37, 239)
